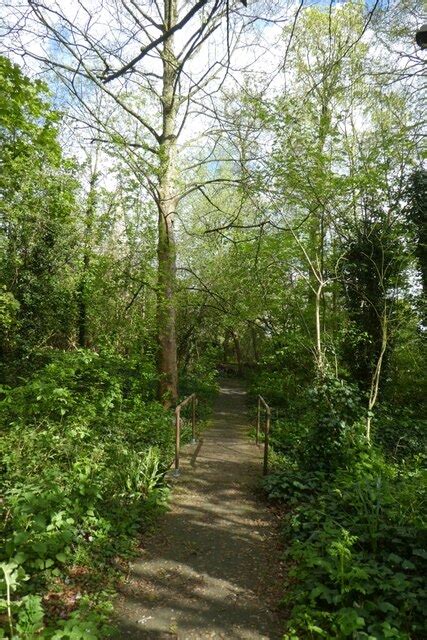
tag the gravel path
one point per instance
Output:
(210, 570)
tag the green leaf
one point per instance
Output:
(19, 557)
(61, 557)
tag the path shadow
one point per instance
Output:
(210, 570)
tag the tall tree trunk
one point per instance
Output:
(226, 347)
(317, 242)
(254, 344)
(376, 375)
(320, 356)
(167, 201)
(83, 334)
(82, 319)
(238, 352)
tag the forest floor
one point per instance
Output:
(210, 569)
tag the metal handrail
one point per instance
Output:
(193, 399)
(266, 430)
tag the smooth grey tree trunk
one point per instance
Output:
(167, 202)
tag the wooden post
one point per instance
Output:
(177, 437)
(266, 442)
(194, 418)
(258, 420)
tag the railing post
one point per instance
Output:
(266, 441)
(177, 437)
(193, 418)
(258, 420)
(184, 403)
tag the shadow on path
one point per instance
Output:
(210, 568)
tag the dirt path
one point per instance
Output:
(210, 568)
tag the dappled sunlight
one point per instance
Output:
(208, 572)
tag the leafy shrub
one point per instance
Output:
(202, 380)
(356, 551)
(401, 432)
(353, 523)
(328, 434)
(270, 384)
(84, 454)
(334, 431)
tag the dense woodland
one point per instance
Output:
(194, 189)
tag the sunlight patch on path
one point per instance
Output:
(210, 570)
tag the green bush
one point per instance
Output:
(354, 517)
(328, 433)
(202, 379)
(401, 432)
(84, 454)
(356, 550)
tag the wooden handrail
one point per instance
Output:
(185, 401)
(181, 405)
(267, 409)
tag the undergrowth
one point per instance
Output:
(85, 451)
(353, 525)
